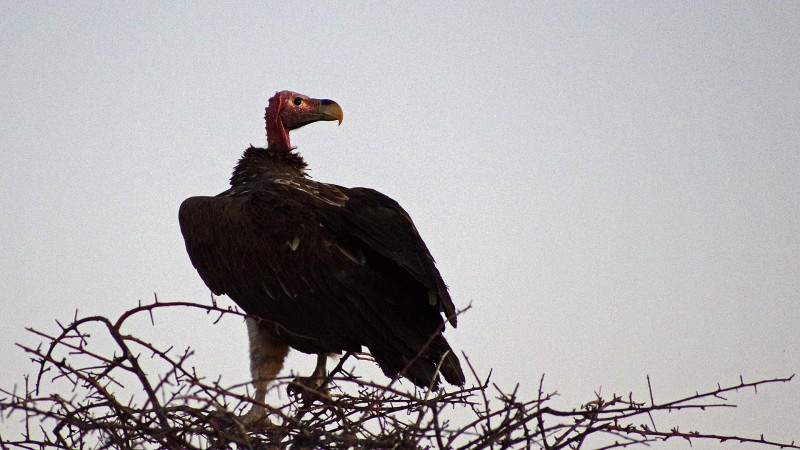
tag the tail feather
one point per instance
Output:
(451, 369)
(424, 369)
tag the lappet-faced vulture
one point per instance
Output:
(322, 268)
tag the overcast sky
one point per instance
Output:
(613, 186)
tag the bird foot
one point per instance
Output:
(255, 419)
(309, 389)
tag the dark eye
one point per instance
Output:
(297, 101)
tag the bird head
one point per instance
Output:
(289, 110)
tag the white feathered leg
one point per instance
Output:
(266, 360)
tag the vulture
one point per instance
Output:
(318, 267)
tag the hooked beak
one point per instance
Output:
(329, 110)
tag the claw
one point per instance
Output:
(311, 388)
(255, 419)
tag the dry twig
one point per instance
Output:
(87, 396)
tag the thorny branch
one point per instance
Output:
(88, 395)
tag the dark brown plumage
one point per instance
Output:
(326, 268)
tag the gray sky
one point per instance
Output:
(614, 187)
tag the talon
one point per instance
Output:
(309, 389)
(255, 419)
(312, 388)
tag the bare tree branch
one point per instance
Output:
(88, 395)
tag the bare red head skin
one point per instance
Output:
(289, 110)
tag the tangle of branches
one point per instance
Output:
(98, 387)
